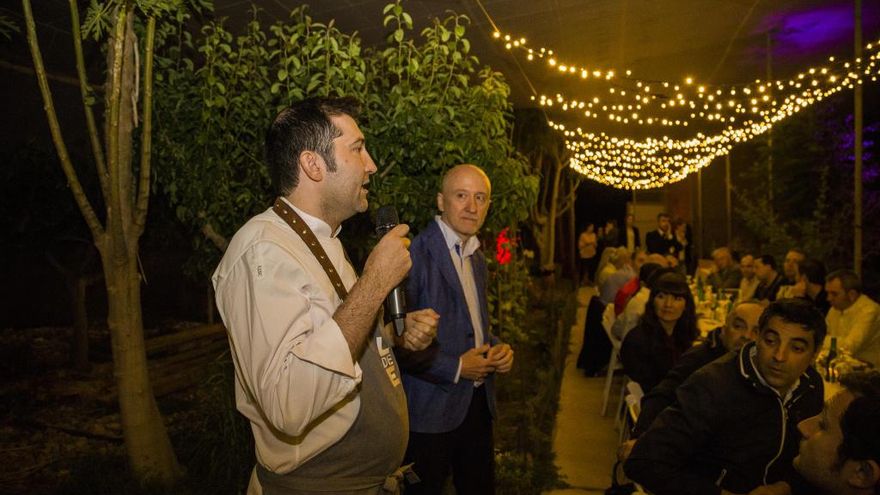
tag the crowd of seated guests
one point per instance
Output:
(740, 410)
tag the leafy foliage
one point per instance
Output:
(812, 182)
(427, 106)
(7, 26)
(536, 325)
(216, 97)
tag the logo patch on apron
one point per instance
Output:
(387, 359)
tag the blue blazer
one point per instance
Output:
(436, 403)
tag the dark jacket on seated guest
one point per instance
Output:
(727, 431)
(820, 302)
(726, 279)
(768, 291)
(647, 352)
(663, 395)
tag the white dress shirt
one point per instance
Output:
(461, 259)
(857, 329)
(295, 379)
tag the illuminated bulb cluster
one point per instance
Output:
(722, 106)
(650, 163)
(512, 43)
(742, 112)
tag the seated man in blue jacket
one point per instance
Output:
(450, 386)
(733, 429)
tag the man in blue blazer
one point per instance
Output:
(450, 385)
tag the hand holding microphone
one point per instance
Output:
(387, 227)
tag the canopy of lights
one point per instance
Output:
(737, 112)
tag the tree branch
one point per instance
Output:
(55, 129)
(24, 69)
(114, 202)
(85, 91)
(218, 240)
(143, 193)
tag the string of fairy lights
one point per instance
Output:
(737, 112)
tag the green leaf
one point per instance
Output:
(459, 31)
(398, 35)
(282, 74)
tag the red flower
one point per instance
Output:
(502, 247)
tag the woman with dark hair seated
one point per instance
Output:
(666, 330)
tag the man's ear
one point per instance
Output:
(866, 476)
(311, 165)
(440, 202)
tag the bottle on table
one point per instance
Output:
(829, 363)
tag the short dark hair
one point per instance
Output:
(668, 281)
(848, 279)
(859, 424)
(304, 126)
(663, 214)
(768, 260)
(647, 271)
(813, 269)
(798, 311)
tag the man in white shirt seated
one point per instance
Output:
(854, 318)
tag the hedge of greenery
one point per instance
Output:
(428, 105)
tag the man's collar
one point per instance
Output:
(750, 370)
(318, 226)
(452, 239)
(858, 299)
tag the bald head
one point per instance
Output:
(467, 169)
(722, 258)
(742, 324)
(464, 199)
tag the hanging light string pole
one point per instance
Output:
(857, 122)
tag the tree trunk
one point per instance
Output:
(151, 457)
(79, 355)
(550, 229)
(149, 449)
(571, 245)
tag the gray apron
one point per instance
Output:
(366, 460)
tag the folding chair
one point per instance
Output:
(614, 360)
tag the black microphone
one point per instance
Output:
(395, 304)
